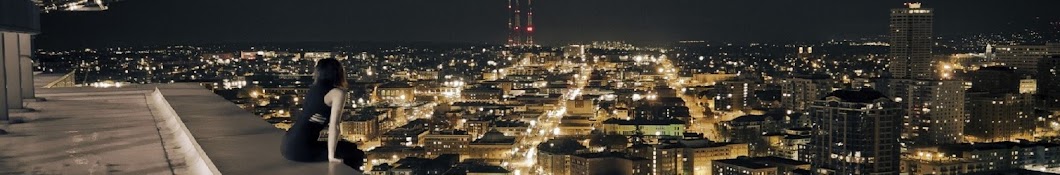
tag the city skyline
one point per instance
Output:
(624, 88)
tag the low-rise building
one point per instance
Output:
(362, 125)
(784, 166)
(939, 164)
(510, 127)
(494, 147)
(410, 134)
(793, 144)
(482, 93)
(554, 156)
(758, 129)
(700, 153)
(658, 128)
(742, 167)
(477, 168)
(417, 166)
(1006, 155)
(664, 158)
(389, 154)
(615, 163)
(446, 142)
(396, 92)
(576, 125)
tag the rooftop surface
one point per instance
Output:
(857, 96)
(744, 163)
(144, 129)
(85, 131)
(778, 160)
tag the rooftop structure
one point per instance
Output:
(144, 129)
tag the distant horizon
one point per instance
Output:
(137, 22)
(880, 37)
(673, 43)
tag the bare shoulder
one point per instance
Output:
(335, 93)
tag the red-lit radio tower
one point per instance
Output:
(520, 34)
(529, 23)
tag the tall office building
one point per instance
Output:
(932, 110)
(1024, 58)
(1049, 78)
(911, 42)
(856, 132)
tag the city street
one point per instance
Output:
(524, 154)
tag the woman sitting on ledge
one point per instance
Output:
(322, 109)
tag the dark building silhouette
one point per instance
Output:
(855, 132)
(1049, 79)
(994, 79)
(996, 109)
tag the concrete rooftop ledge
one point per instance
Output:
(144, 129)
(234, 140)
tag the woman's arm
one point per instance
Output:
(337, 98)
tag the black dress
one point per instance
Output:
(301, 142)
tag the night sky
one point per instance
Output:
(483, 21)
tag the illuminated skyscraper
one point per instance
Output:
(911, 42)
(933, 111)
(855, 132)
(933, 107)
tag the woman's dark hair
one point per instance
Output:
(330, 72)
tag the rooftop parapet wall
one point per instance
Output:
(232, 140)
(194, 157)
